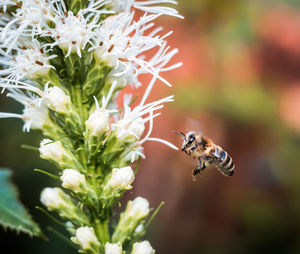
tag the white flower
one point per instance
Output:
(147, 6)
(134, 154)
(73, 180)
(137, 209)
(113, 248)
(73, 33)
(57, 100)
(121, 178)
(52, 150)
(53, 198)
(35, 113)
(30, 61)
(86, 238)
(121, 43)
(143, 247)
(31, 18)
(54, 97)
(132, 125)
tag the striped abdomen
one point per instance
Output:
(223, 161)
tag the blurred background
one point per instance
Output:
(241, 83)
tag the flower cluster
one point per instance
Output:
(66, 63)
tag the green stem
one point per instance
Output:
(82, 112)
(102, 231)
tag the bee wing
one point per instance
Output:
(192, 124)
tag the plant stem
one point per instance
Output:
(102, 230)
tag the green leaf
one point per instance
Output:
(13, 215)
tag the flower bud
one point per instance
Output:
(50, 150)
(70, 227)
(73, 180)
(57, 100)
(143, 247)
(139, 228)
(102, 55)
(113, 248)
(86, 238)
(36, 116)
(128, 127)
(54, 198)
(98, 122)
(121, 178)
(137, 209)
(137, 127)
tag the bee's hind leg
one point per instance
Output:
(198, 169)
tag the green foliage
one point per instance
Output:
(13, 215)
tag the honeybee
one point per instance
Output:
(206, 152)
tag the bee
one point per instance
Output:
(206, 152)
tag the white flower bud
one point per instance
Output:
(98, 122)
(139, 228)
(52, 150)
(121, 178)
(101, 54)
(57, 100)
(38, 115)
(73, 180)
(53, 198)
(137, 127)
(86, 238)
(70, 227)
(128, 127)
(113, 248)
(137, 209)
(143, 247)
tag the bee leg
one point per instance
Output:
(195, 172)
(198, 169)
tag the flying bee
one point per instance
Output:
(206, 152)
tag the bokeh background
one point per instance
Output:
(240, 83)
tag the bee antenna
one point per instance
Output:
(179, 133)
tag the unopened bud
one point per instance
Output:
(86, 238)
(143, 247)
(137, 209)
(57, 100)
(139, 228)
(98, 122)
(52, 150)
(121, 178)
(54, 198)
(73, 180)
(113, 248)
(127, 127)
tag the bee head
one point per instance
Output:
(188, 139)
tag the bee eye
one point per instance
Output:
(191, 139)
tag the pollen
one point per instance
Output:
(111, 48)
(39, 63)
